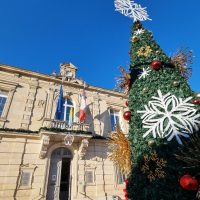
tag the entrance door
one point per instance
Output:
(59, 175)
(65, 179)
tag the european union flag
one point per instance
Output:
(60, 108)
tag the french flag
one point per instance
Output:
(82, 115)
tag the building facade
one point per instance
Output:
(45, 158)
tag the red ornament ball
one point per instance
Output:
(156, 64)
(127, 115)
(189, 183)
(126, 103)
(196, 101)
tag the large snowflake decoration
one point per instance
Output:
(144, 73)
(169, 117)
(130, 9)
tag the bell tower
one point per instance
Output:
(68, 71)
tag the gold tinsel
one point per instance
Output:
(158, 172)
(134, 39)
(182, 60)
(144, 51)
(120, 151)
(123, 82)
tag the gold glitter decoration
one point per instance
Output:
(144, 51)
(134, 39)
(182, 60)
(124, 81)
(120, 151)
(159, 165)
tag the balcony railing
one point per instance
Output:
(51, 123)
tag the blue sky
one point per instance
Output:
(40, 34)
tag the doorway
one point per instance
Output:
(59, 175)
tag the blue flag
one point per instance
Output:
(60, 108)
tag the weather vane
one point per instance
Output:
(131, 9)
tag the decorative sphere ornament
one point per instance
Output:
(196, 101)
(126, 103)
(189, 183)
(151, 143)
(156, 64)
(127, 115)
(176, 83)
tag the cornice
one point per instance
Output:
(49, 78)
(9, 82)
(16, 134)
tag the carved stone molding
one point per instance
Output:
(83, 148)
(44, 146)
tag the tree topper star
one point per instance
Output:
(131, 9)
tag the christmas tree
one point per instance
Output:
(164, 113)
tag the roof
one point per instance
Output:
(50, 78)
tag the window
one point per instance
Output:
(114, 118)
(69, 74)
(120, 177)
(25, 178)
(3, 97)
(89, 177)
(68, 112)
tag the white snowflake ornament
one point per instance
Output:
(139, 32)
(145, 73)
(168, 116)
(130, 9)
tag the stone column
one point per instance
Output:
(96, 113)
(30, 101)
(100, 182)
(81, 179)
(51, 93)
(75, 175)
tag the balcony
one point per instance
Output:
(51, 123)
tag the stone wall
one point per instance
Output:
(22, 153)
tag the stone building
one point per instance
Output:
(44, 158)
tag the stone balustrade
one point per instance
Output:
(51, 123)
